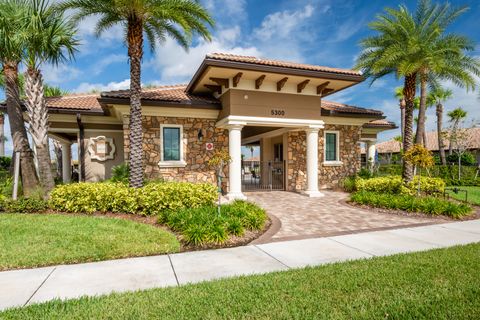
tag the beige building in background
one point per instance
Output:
(306, 143)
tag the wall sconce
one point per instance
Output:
(200, 135)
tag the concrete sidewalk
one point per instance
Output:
(24, 287)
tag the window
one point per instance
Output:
(331, 139)
(278, 151)
(171, 146)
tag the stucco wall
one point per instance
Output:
(328, 176)
(194, 151)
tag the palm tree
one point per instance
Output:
(456, 116)
(12, 22)
(49, 38)
(401, 103)
(438, 97)
(179, 19)
(441, 55)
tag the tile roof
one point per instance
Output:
(345, 108)
(393, 146)
(173, 93)
(278, 63)
(75, 102)
(380, 123)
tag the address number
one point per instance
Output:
(277, 112)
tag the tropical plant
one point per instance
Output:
(438, 97)
(456, 116)
(50, 38)
(53, 91)
(12, 34)
(419, 157)
(401, 103)
(441, 55)
(179, 19)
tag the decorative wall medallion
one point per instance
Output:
(101, 148)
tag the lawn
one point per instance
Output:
(32, 240)
(438, 284)
(473, 194)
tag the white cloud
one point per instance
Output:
(98, 67)
(227, 8)
(89, 87)
(56, 75)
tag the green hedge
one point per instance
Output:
(428, 205)
(152, 199)
(394, 185)
(203, 225)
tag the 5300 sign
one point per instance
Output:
(277, 112)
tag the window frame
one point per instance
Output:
(172, 163)
(337, 161)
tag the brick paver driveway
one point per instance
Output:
(303, 217)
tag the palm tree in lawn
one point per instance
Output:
(401, 104)
(12, 34)
(157, 19)
(441, 55)
(50, 38)
(437, 98)
(456, 116)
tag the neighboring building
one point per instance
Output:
(305, 142)
(389, 151)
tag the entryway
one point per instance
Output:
(263, 175)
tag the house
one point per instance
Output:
(389, 151)
(306, 143)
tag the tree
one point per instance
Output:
(441, 55)
(49, 38)
(456, 116)
(401, 103)
(438, 97)
(179, 19)
(420, 157)
(12, 34)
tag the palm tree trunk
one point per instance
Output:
(38, 121)
(409, 94)
(135, 52)
(419, 136)
(57, 147)
(441, 147)
(18, 130)
(2, 134)
(402, 117)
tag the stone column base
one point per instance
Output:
(236, 196)
(313, 194)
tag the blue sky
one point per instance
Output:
(323, 32)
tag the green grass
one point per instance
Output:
(438, 284)
(473, 194)
(31, 240)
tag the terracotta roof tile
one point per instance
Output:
(75, 102)
(173, 93)
(345, 108)
(380, 123)
(278, 63)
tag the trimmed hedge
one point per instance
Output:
(203, 225)
(394, 185)
(152, 199)
(428, 205)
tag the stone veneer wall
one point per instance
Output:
(195, 154)
(328, 176)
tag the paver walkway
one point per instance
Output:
(24, 287)
(303, 217)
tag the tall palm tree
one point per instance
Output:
(157, 19)
(12, 22)
(393, 51)
(401, 104)
(456, 116)
(441, 55)
(438, 97)
(49, 38)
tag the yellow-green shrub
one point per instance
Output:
(394, 185)
(117, 197)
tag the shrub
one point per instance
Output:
(365, 173)
(467, 159)
(25, 205)
(120, 173)
(348, 184)
(203, 225)
(118, 197)
(394, 185)
(5, 163)
(429, 205)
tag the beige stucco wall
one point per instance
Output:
(260, 104)
(96, 170)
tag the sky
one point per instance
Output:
(321, 32)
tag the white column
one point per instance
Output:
(371, 154)
(66, 162)
(312, 163)
(235, 167)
